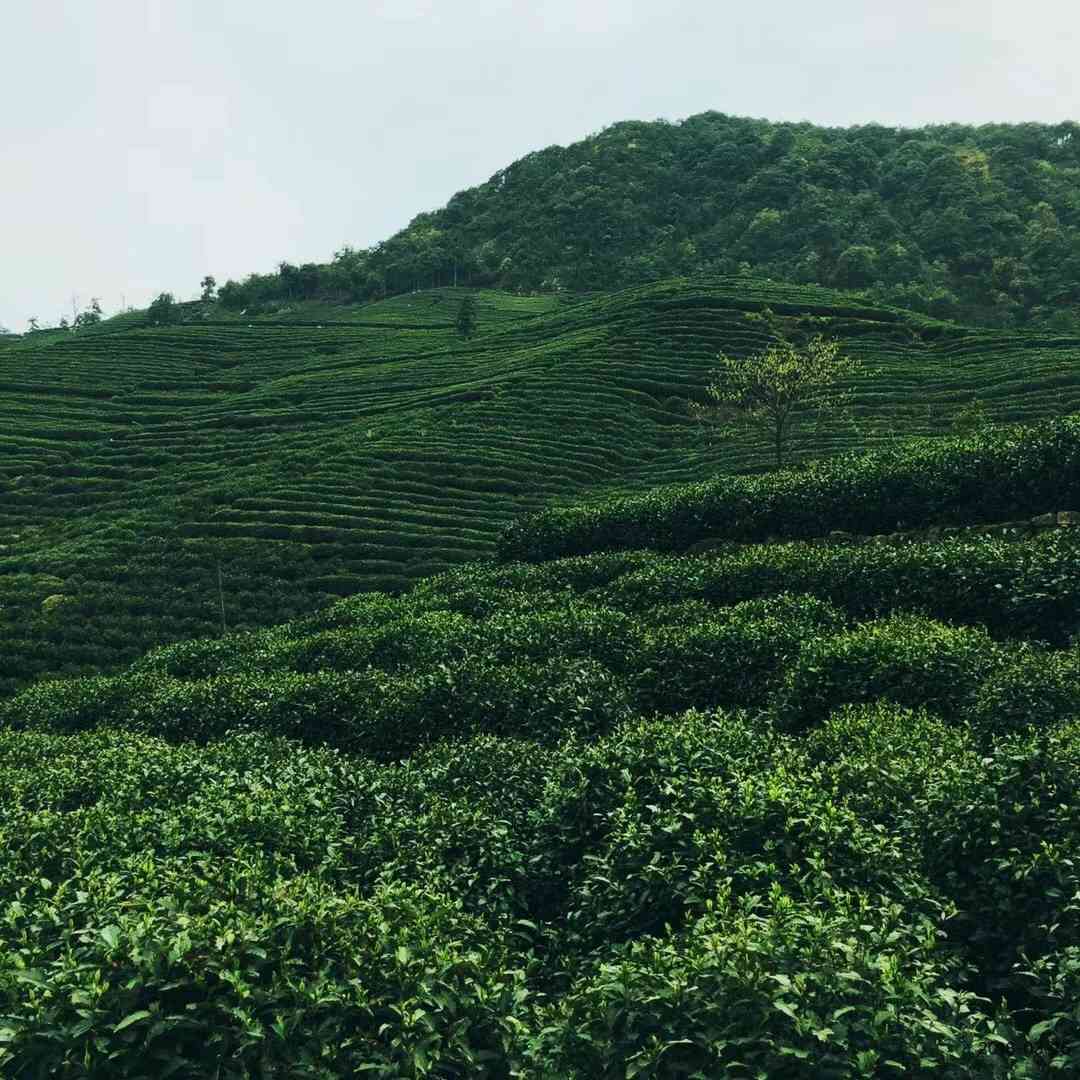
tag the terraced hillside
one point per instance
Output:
(430, 309)
(157, 482)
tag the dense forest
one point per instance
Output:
(979, 224)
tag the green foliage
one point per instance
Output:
(729, 656)
(1013, 589)
(204, 953)
(90, 316)
(466, 316)
(1054, 1040)
(163, 310)
(370, 712)
(1039, 688)
(906, 659)
(838, 984)
(1001, 837)
(783, 810)
(958, 222)
(779, 390)
(992, 475)
(672, 897)
(325, 450)
(971, 418)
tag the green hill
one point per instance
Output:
(310, 460)
(978, 224)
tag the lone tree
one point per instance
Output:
(208, 285)
(163, 310)
(781, 391)
(90, 317)
(466, 316)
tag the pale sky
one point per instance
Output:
(145, 143)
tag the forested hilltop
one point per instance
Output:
(979, 224)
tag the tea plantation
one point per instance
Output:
(801, 805)
(317, 452)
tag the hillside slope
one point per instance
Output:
(311, 461)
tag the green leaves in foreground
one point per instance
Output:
(687, 896)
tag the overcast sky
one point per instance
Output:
(146, 143)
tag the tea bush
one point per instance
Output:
(783, 810)
(908, 659)
(680, 894)
(1053, 1041)
(838, 984)
(1038, 688)
(729, 656)
(1001, 838)
(378, 714)
(350, 453)
(995, 475)
(1026, 590)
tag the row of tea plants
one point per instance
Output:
(781, 811)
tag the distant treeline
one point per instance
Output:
(979, 224)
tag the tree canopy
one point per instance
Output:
(163, 310)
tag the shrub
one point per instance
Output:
(1037, 688)
(408, 640)
(1014, 589)
(877, 758)
(463, 818)
(379, 714)
(1053, 1041)
(1000, 836)
(203, 658)
(664, 839)
(991, 475)
(908, 659)
(837, 984)
(290, 980)
(74, 704)
(733, 656)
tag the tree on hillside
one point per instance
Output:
(782, 390)
(232, 296)
(163, 310)
(971, 418)
(466, 316)
(208, 285)
(90, 317)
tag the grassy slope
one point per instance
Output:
(311, 462)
